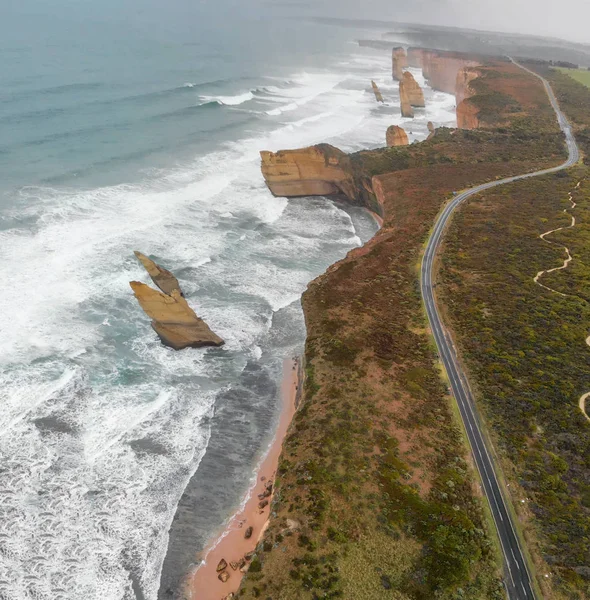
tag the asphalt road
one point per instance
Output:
(517, 578)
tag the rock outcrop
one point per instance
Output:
(160, 276)
(396, 136)
(173, 319)
(321, 170)
(431, 130)
(414, 91)
(399, 63)
(404, 97)
(377, 91)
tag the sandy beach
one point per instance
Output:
(231, 544)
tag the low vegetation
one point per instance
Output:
(525, 348)
(376, 495)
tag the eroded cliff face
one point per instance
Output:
(466, 110)
(321, 170)
(396, 136)
(414, 91)
(440, 67)
(404, 97)
(399, 63)
(467, 115)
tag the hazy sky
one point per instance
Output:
(568, 19)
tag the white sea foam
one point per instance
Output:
(229, 100)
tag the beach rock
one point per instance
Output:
(222, 565)
(173, 319)
(244, 569)
(263, 504)
(223, 576)
(399, 63)
(321, 170)
(248, 533)
(406, 106)
(160, 276)
(249, 555)
(377, 92)
(396, 136)
(241, 563)
(234, 565)
(413, 89)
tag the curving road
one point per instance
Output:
(517, 580)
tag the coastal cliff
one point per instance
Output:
(375, 422)
(321, 170)
(466, 111)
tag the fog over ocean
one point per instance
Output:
(139, 129)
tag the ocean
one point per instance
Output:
(137, 126)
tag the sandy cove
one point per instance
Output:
(231, 545)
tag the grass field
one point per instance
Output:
(581, 75)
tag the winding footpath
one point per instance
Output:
(566, 262)
(518, 580)
(569, 259)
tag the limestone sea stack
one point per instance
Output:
(321, 170)
(396, 136)
(404, 97)
(415, 93)
(377, 91)
(160, 276)
(173, 319)
(399, 63)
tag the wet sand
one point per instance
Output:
(231, 545)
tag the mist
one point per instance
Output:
(567, 19)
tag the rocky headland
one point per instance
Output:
(321, 170)
(173, 319)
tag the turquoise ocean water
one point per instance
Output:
(137, 126)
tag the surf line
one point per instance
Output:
(566, 262)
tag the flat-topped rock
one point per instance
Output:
(321, 170)
(173, 319)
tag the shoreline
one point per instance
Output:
(231, 545)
